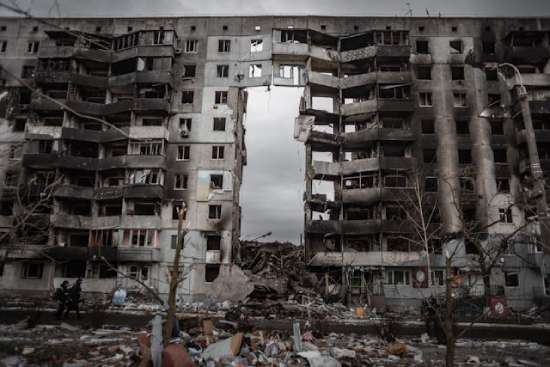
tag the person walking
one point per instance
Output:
(74, 298)
(61, 295)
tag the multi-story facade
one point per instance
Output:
(414, 100)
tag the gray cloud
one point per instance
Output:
(137, 8)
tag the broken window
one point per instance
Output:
(503, 185)
(176, 206)
(32, 47)
(255, 71)
(185, 124)
(104, 238)
(491, 74)
(423, 72)
(224, 45)
(395, 181)
(361, 213)
(139, 272)
(219, 123)
(6, 207)
(184, 152)
(493, 98)
(398, 277)
(180, 182)
(19, 125)
(152, 122)
(457, 72)
(429, 155)
(488, 47)
(174, 241)
(211, 272)
(511, 279)
(422, 47)
(214, 211)
(141, 237)
(438, 279)
(222, 71)
(394, 91)
(256, 45)
(500, 155)
(11, 178)
(147, 148)
(467, 184)
(189, 71)
(191, 46)
(505, 215)
(425, 99)
(428, 126)
(145, 208)
(45, 146)
(216, 182)
(464, 156)
(218, 151)
(393, 123)
(456, 46)
(430, 184)
(3, 46)
(146, 176)
(462, 127)
(220, 97)
(187, 96)
(31, 270)
(459, 99)
(395, 213)
(28, 72)
(213, 242)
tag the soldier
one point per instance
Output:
(61, 295)
(74, 298)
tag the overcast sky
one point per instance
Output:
(274, 178)
(128, 8)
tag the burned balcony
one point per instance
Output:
(337, 169)
(328, 83)
(527, 47)
(74, 192)
(148, 105)
(138, 254)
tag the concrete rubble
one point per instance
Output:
(218, 343)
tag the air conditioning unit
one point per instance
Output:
(178, 51)
(184, 133)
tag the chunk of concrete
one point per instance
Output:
(232, 284)
(316, 359)
(224, 348)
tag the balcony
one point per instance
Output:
(54, 160)
(141, 191)
(138, 254)
(526, 55)
(374, 105)
(332, 82)
(357, 227)
(149, 105)
(301, 51)
(399, 51)
(45, 105)
(141, 221)
(372, 195)
(35, 131)
(336, 169)
(74, 192)
(71, 221)
(359, 138)
(108, 193)
(374, 258)
(540, 107)
(132, 161)
(142, 77)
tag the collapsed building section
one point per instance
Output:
(422, 144)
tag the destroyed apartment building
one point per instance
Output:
(400, 115)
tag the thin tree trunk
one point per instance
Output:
(449, 317)
(171, 315)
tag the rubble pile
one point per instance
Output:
(66, 345)
(238, 344)
(278, 270)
